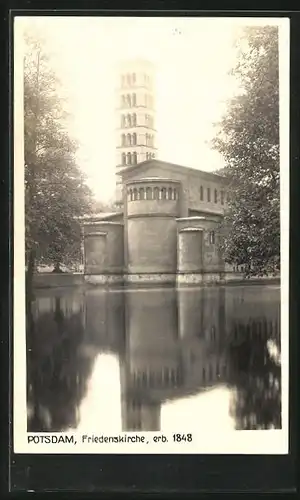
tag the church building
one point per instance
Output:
(165, 230)
(165, 227)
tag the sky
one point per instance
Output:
(193, 57)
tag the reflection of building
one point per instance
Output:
(166, 228)
(171, 344)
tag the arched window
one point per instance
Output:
(216, 196)
(208, 194)
(212, 238)
(133, 99)
(134, 194)
(170, 194)
(129, 100)
(123, 121)
(153, 155)
(201, 193)
(222, 197)
(123, 139)
(175, 194)
(128, 158)
(141, 193)
(128, 139)
(123, 159)
(213, 333)
(134, 120)
(134, 157)
(134, 139)
(130, 194)
(128, 121)
(156, 193)
(148, 193)
(163, 193)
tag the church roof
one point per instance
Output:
(101, 216)
(173, 167)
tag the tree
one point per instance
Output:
(248, 139)
(255, 378)
(100, 206)
(55, 189)
(57, 369)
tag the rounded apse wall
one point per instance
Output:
(152, 206)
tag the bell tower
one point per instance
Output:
(135, 116)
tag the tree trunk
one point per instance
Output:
(29, 277)
(30, 332)
(57, 268)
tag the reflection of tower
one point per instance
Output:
(135, 115)
(152, 366)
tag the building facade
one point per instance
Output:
(135, 116)
(166, 230)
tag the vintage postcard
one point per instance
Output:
(151, 235)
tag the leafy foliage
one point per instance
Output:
(248, 139)
(58, 370)
(100, 206)
(54, 184)
(256, 378)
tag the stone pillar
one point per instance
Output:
(199, 256)
(190, 250)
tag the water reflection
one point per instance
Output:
(137, 359)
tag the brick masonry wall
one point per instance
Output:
(152, 245)
(104, 252)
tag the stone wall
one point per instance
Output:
(191, 181)
(198, 246)
(103, 247)
(190, 250)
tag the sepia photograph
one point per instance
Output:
(151, 234)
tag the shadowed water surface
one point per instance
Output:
(154, 359)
